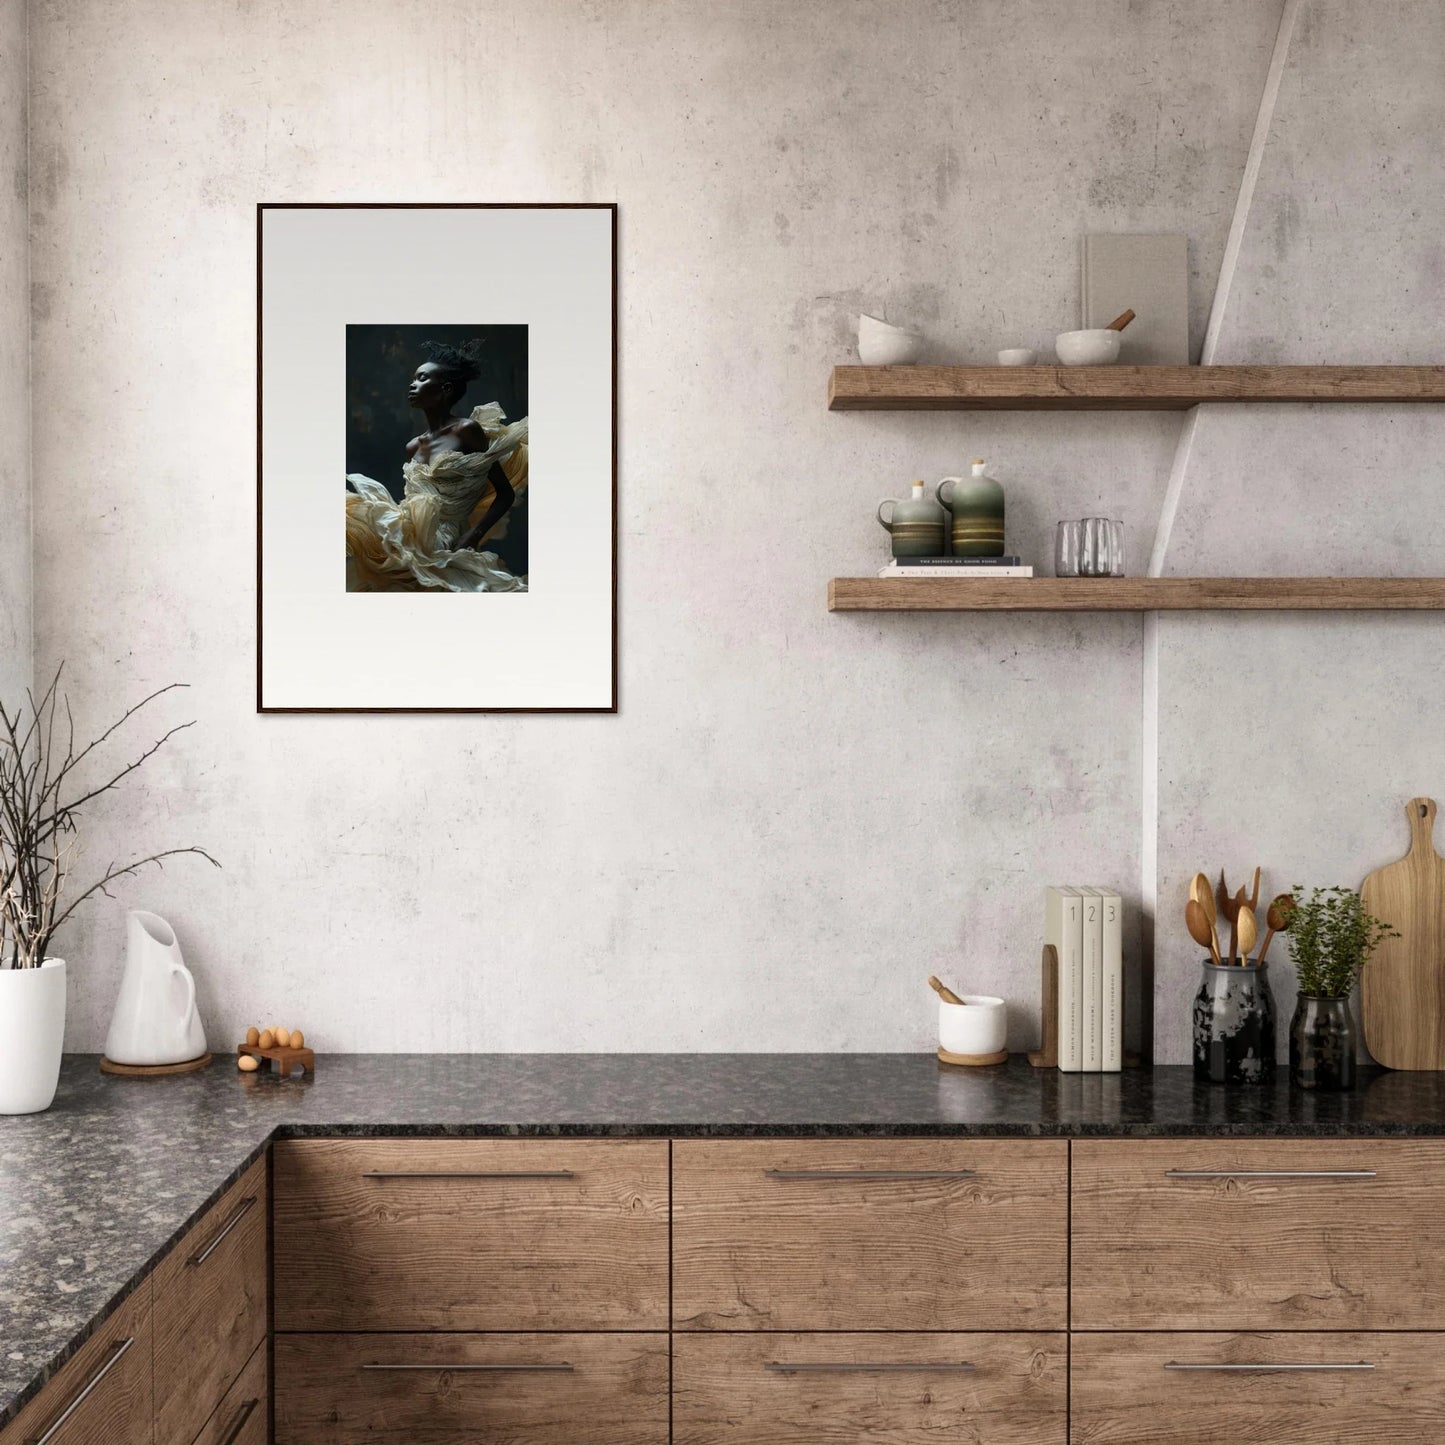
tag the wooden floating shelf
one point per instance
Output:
(1119, 388)
(1136, 594)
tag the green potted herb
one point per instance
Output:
(1331, 938)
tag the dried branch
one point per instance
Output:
(34, 864)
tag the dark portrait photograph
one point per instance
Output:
(436, 458)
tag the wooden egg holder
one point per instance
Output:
(1046, 1056)
(282, 1061)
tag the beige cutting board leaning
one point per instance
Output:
(1402, 992)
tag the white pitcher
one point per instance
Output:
(155, 1019)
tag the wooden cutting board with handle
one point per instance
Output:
(1402, 990)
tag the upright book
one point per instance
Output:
(1092, 907)
(1112, 1058)
(1064, 929)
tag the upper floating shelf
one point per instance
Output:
(1136, 594)
(1119, 388)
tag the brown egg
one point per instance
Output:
(298, 1039)
(283, 1038)
(267, 1040)
(253, 1035)
(248, 1063)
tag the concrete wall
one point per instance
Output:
(795, 817)
(15, 587)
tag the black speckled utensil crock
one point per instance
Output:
(1234, 1032)
(1322, 1043)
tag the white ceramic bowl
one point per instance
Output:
(1017, 356)
(1088, 348)
(978, 1025)
(880, 344)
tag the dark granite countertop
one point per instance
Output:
(95, 1191)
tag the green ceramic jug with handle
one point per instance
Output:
(976, 504)
(917, 526)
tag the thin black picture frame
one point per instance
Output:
(261, 208)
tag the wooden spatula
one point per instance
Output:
(1402, 990)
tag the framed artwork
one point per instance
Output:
(436, 458)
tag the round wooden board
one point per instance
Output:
(973, 1060)
(153, 1071)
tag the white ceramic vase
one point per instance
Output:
(32, 1033)
(155, 1019)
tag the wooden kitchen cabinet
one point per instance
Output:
(475, 1234)
(243, 1414)
(102, 1394)
(1258, 1234)
(1198, 1389)
(894, 1389)
(870, 1234)
(210, 1309)
(437, 1389)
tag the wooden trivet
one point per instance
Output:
(973, 1060)
(282, 1061)
(152, 1071)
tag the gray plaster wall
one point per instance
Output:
(15, 582)
(796, 816)
(1295, 742)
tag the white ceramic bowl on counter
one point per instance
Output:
(1017, 356)
(978, 1025)
(1088, 348)
(880, 344)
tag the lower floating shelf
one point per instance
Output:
(1137, 594)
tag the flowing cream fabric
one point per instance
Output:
(407, 546)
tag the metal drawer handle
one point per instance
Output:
(241, 1210)
(1269, 1174)
(119, 1349)
(870, 1173)
(1359, 1365)
(848, 1368)
(468, 1174)
(559, 1365)
(239, 1423)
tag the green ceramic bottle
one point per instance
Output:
(916, 525)
(976, 503)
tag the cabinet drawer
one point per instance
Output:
(896, 1389)
(911, 1234)
(210, 1308)
(487, 1234)
(241, 1417)
(1289, 1234)
(1130, 1389)
(102, 1395)
(430, 1389)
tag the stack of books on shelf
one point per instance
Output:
(952, 567)
(1084, 925)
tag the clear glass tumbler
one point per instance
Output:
(1096, 549)
(1067, 543)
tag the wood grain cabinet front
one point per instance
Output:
(102, 1395)
(1285, 1389)
(244, 1413)
(437, 1389)
(893, 1389)
(210, 1308)
(895, 1234)
(482, 1234)
(1283, 1234)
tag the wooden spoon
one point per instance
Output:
(1201, 930)
(1223, 900)
(1237, 905)
(1248, 926)
(1277, 919)
(943, 990)
(1120, 322)
(1254, 895)
(1200, 892)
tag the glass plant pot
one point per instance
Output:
(1234, 1032)
(1322, 1043)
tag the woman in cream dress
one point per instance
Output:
(462, 476)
